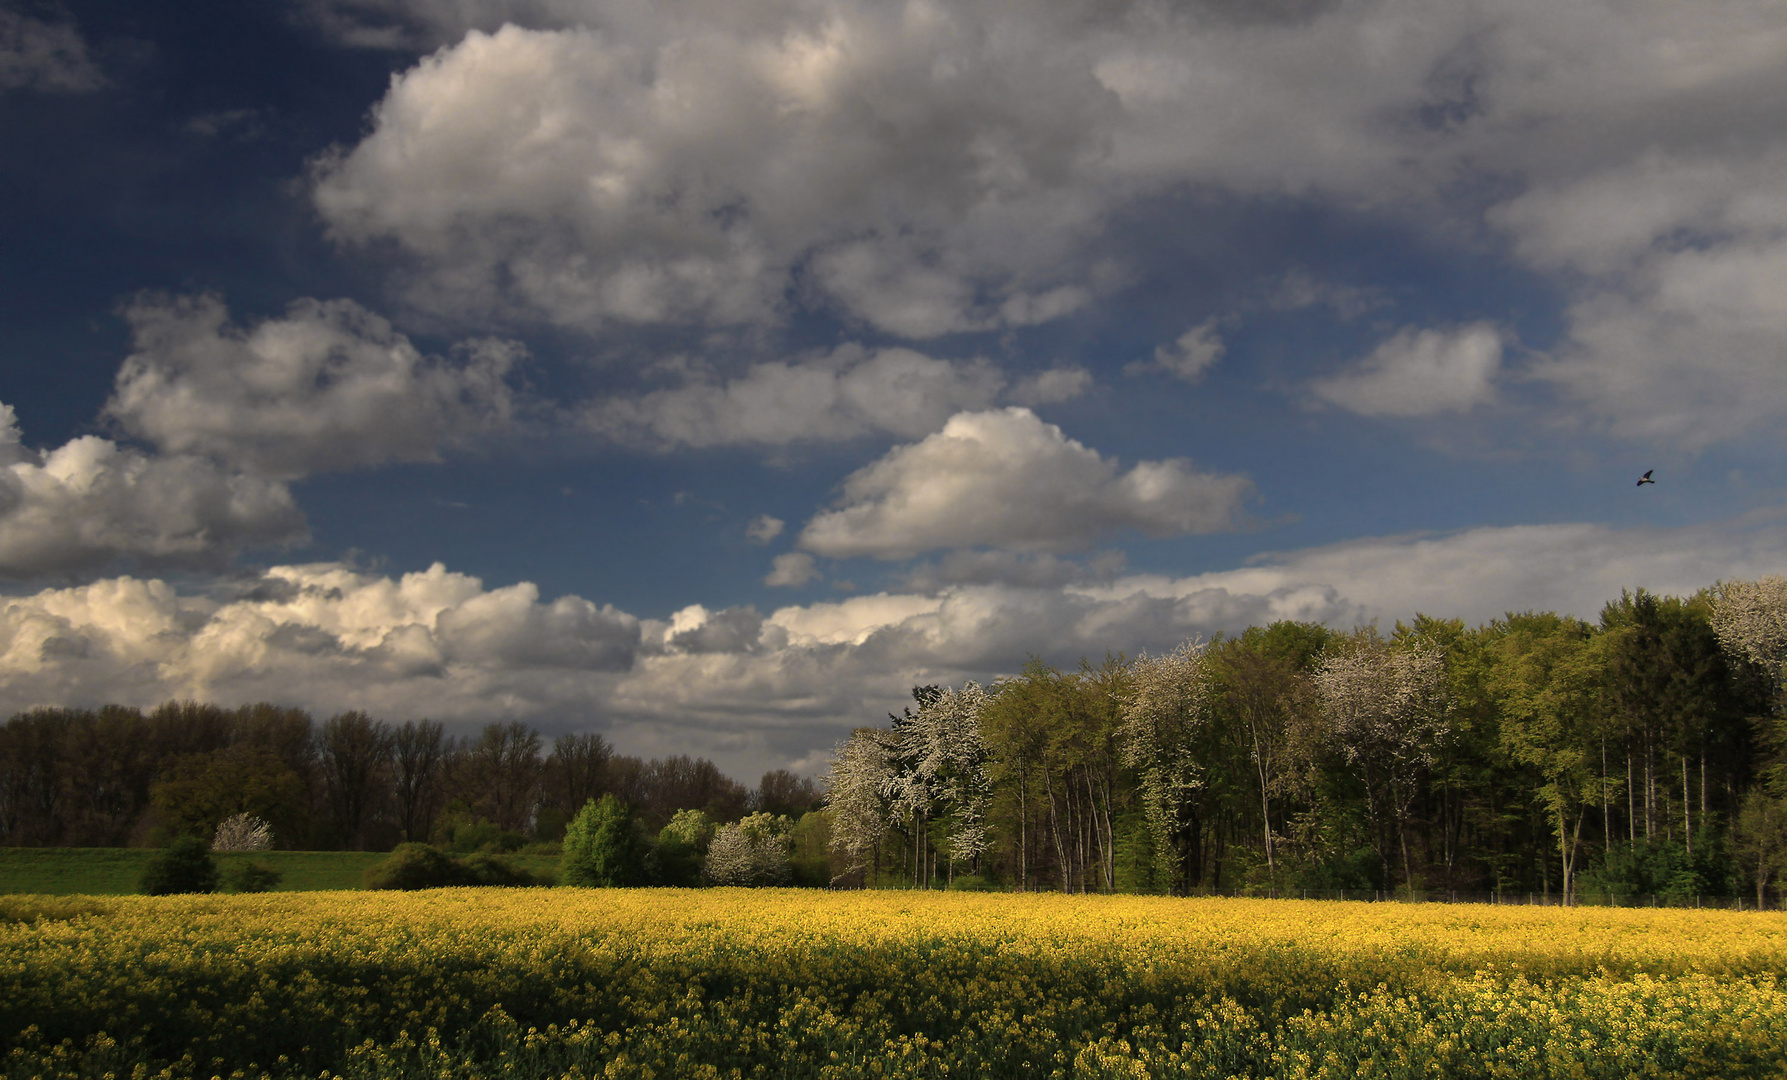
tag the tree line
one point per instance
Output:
(117, 776)
(1641, 754)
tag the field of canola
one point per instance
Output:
(731, 983)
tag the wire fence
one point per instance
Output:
(1423, 896)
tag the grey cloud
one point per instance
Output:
(848, 393)
(44, 56)
(687, 162)
(1050, 387)
(1418, 372)
(1191, 354)
(764, 528)
(746, 688)
(84, 506)
(915, 172)
(328, 386)
(732, 630)
(512, 628)
(792, 570)
(984, 567)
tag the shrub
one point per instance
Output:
(184, 866)
(251, 878)
(603, 847)
(486, 869)
(419, 866)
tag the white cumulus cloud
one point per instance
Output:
(1007, 479)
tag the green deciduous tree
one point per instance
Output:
(604, 847)
(1548, 683)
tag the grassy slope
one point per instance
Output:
(114, 871)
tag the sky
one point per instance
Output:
(708, 373)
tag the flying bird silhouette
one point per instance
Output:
(1645, 479)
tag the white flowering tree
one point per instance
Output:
(753, 851)
(1389, 708)
(945, 770)
(242, 832)
(1164, 713)
(1750, 619)
(861, 813)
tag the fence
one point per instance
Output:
(1421, 896)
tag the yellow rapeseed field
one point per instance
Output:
(793, 983)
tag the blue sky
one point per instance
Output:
(707, 374)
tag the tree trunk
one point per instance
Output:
(1023, 833)
(1631, 800)
(1687, 810)
(1055, 829)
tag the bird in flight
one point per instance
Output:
(1645, 479)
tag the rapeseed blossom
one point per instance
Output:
(800, 983)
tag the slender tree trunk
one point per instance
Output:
(1259, 761)
(1631, 800)
(1687, 810)
(1055, 829)
(1607, 826)
(1650, 790)
(1102, 830)
(1023, 833)
(918, 859)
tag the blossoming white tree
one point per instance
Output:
(860, 813)
(1750, 619)
(753, 851)
(242, 832)
(945, 770)
(1163, 716)
(1388, 707)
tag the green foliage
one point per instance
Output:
(201, 790)
(184, 866)
(1661, 868)
(809, 858)
(420, 866)
(32, 909)
(604, 847)
(487, 869)
(682, 845)
(250, 877)
(464, 833)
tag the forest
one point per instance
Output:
(118, 776)
(1644, 754)
(1637, 756)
